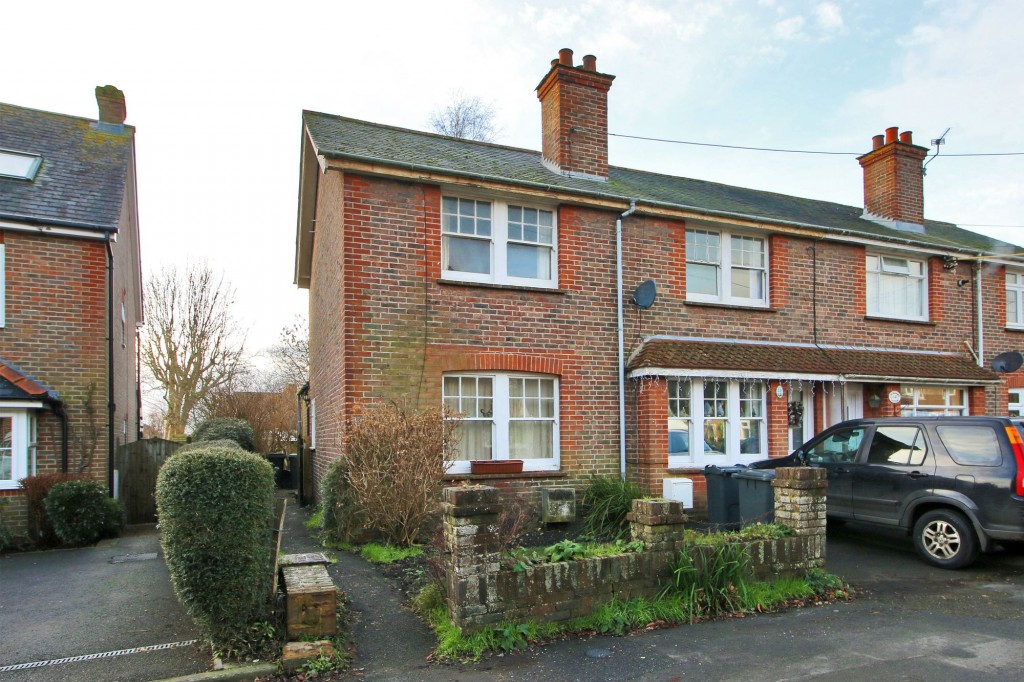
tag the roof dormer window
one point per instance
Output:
(19, 164)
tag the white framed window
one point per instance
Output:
(504, 416)
(312, 424)
(716, 421)
(1016, 402)
(726, 268)
(498, 242)
(3, 287)
(896, 287)
(1015, 299)
(933, 400)
(19, 165)
(17, 446)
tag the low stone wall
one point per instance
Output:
(482, 593)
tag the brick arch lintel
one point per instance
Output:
(463, 360)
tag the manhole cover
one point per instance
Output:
(133, 557)
(599, 653)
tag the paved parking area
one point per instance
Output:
(81, 602)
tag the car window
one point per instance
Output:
(841, 446)
(902, 445)
(972, 445)
(678, 442)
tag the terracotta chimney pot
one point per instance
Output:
(565, 56)
(589, 62)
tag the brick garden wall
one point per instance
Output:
(482, 592)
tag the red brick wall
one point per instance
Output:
(383, 325)
(574, 119)
(55, 331)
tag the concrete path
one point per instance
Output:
(81, 602)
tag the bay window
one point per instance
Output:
(17, 446)
(504, 416)
(933, 400)
(715, 421)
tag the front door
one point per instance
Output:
(801, 417)
(844, 402)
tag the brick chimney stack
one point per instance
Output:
(111, 104)
(574, 115)
(894, 178)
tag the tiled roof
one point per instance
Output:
(82, 177)
(857, 363)
(16, 385)
(346, 138)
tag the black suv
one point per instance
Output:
(955, 483)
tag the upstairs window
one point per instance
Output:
(726, 268)
(497, 242)
(1015, 299)
(896, 287)
(3, 287)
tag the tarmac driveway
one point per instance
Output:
(94, 600)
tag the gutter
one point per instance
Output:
(622, 362)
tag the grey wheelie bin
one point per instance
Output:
(757, 499)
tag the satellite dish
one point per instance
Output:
(1009, 361)
(644, 295)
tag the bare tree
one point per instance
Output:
(467, 117)
(290, 355)
(190, 345)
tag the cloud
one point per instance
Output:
(828, 16)
(789, 29)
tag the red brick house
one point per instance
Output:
(498, 281)
(70, 294)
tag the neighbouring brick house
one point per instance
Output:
(70, 294)
(485, 277)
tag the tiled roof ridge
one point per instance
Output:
(23, 381)
(57, 114)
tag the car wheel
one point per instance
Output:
(944, 538)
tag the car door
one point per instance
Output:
(836, 451)
(897, 466)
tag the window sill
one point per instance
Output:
(1014, 329)
(897, 320)
(504, 287)
(488, 477)
(732, 306)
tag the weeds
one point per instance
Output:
(711, 579)
(568, 550)
(607, 501)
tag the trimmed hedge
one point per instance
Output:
(81, 512)
(204, 444)
(216, 508)
(227, 428)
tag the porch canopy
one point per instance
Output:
(676, 356)
(18, 387)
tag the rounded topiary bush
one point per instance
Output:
(216, 507)
(227, 428)
(82, 513)
(204, 444)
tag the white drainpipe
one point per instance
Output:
(622, 359)
(981, 327)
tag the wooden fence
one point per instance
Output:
(137, 465)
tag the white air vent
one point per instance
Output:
(678, 489)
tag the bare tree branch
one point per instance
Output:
(467, 117)
(190, 344)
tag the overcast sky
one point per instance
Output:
(216, 90)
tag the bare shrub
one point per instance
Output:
(515, 520)
(397, 459)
